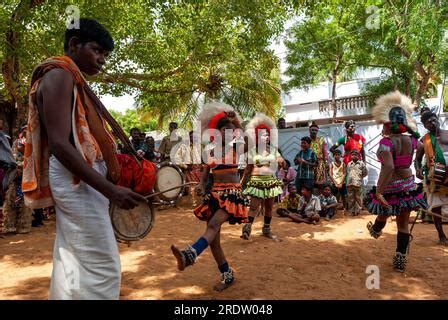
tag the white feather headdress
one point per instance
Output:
(385, 103)
(259, 120)
(212, 109)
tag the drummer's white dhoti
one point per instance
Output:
(86, 261)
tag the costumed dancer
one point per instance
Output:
(396, 191)
(263, 187)
(225, 200)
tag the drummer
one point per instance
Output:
(225, 201)
(437, 137)
(168, 142)
(72, 176)
(188, 158)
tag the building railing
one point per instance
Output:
(345, 103)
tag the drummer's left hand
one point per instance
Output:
(124, 198)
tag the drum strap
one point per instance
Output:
(429, 142)
(116, 128)
(429, 150)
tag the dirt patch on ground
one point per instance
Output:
(327, 261)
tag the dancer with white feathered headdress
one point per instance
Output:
(396, 192)
(262, 186)
(225, 201)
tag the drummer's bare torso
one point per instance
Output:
(442, 139)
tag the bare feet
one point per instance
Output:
(283, 214)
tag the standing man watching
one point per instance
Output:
(168, 142)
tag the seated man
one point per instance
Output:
(328, 203)
(290, 202)
(309, 207)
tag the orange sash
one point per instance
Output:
(91, 136)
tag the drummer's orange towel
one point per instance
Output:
(92, 137)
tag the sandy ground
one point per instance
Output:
(327, 261)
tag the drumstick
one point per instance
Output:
(173, 188)
(433, 213)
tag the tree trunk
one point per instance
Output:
(333, 98)
(11, 64)
(423, 86)
(407, 82)
(333, 90)
(11, 74)
(10, 115)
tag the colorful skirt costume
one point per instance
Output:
(401, 194)
(264, 187)
(228, 197)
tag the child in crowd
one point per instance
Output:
(328, 203)
(287, 174)
(338, 172)
(290, 203)
(308, 208)
(305, 160)
(356, 171)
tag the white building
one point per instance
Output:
(303, 106)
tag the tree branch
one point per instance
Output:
(145, 89)
(418, 65)
(149, 77)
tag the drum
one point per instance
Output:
(133, 224)
(168, 176)
(438, 173)
(436, 177)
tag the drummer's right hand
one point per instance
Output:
(125, 198)
(419, 174)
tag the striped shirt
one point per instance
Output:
(306, 171)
